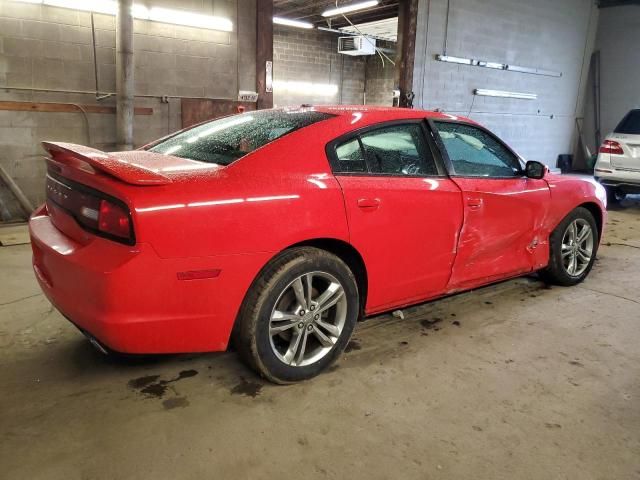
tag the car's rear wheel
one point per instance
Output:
(572, 249)
(615, 195)
(298, 315)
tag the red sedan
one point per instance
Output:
(282, 227)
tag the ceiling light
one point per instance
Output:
(292, 23)
(501, 93)
(198, 20)
(349, 8)
(109, 7)
(157, 14)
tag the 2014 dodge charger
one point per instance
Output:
(282, 227)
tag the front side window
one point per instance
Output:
(227, 139)
(395, 150)
(475, 153)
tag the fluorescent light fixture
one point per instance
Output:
(349, 8)
(450, 59)
(325, 89)
(504, 94)
(292, 23)
(178, 17)
(497, 65)
(156, 14)
(108, 7)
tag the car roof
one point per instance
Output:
(389, 113)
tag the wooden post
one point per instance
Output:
(264, 53)
(406, 50)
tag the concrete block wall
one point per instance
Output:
(618, 41)
(547, 34)
(380, 76)
(312, 56)
(49, 49)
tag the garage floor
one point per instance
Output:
(511, 381)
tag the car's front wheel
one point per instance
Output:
(298, 315)
(572, 249)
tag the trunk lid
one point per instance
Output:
(90, 192)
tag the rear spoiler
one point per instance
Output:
(124, 170)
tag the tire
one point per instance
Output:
(614, 195)
(306, 342)
(563, 250)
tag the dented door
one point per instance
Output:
(502, 229)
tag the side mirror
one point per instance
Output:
(535, 169)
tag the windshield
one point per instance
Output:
(630, 124)
(225, 140)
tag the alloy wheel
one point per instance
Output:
(307, 319)
(577, 247)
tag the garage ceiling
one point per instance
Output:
(311, 10)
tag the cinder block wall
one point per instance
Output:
(49, 48)
(549, 34)
(312, 56)
(380, 76)
(618, 41)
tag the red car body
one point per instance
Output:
(203, 232)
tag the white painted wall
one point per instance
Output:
(549, 34)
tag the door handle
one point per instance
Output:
(368, 203)
(474, 202)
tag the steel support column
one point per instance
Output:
(405, 50)
(124, 75)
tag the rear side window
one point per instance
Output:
(398, 150)
(227, 139)
(350, 158)
(394, 150)
(475, 153)
(630, 124)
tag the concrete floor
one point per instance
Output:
(512, 381)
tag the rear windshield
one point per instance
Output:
(227, 139)
(630, 123)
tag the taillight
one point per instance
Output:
(610, 146)
(114, 220)
(94, 211)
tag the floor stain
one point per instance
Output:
(177, 402)
(142, 382)
(431, 324)
(249, 389)
(150, 386)
(456, 323)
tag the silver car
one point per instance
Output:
(618, 164)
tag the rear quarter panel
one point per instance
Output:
(279, 195)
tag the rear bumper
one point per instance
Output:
(628, 182)
(131, 300)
